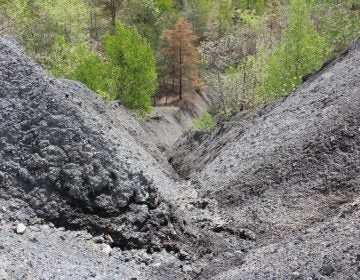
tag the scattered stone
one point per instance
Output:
(184, 255)
(108, 239)
(105, 248)
(327, 270)
(187, 268)
(45, 228)
(21, 228)
(34, 239)
(296, 276)
(246, 234)
(98, 239)
(218, 226)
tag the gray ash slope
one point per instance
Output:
(289, 172)
(68, 158)
(65, 154)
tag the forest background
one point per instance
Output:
(153, 52)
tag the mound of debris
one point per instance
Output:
(61, 157)
(286, 172)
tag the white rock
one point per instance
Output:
(187, 268)
(106, 249)
(45, 227)
(20, 229)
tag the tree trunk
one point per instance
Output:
(221, 93)
(113, 13)
(180, 72)
(241, 105)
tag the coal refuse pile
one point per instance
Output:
(60, 157)
(272, 194)
(289, 173)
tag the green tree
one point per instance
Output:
(339, 22)
(300, 51)
(58, 62)
(92, 71)
(133, 56)
(83, 65)
(198, 12)
(109, 9)
(225, 16)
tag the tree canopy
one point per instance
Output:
(246, 52)
(132, 56)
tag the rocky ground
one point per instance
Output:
(88, 191)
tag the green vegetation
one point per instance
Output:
(206, 123)
(301, 50)
(139, 51)
(82, 64)
(132, 56)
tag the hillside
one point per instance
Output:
(273, 193)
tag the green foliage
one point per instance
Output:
(300, 51)
(206, 123)
(36, 23)
(72, 16)
(270, 45)
(240, 85)
(339, 22)
(58, 62)
(225, 16)
(198, 12)
(92, 71)
(146, 16)
(151, 17)
(82, 64)
(19, 11)
(165, 6)
(256, 5)
(133, 57)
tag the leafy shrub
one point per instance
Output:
(300, 51)
(206, 123)
(96, 74)
(83, 65)
(136, 77)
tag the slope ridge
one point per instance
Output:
(279, 169)
(71, 162)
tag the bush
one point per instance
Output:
(300, 51)
(96, 74)
(128, 52)
(83, 65)
(206, 123)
